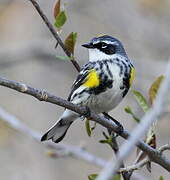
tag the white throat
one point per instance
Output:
(97, 55)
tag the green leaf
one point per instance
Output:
(107, 140)
(154, 88)
(70, 42)
(88, 128)
(161, 178)
(117, 177)
(129, 111)
(64, 58)
(92, 176)
(141, 100)
(60, 19)
(94, 126)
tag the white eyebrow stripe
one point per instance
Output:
(105, 41)
(110, 42)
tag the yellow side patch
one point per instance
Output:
(92, 79)
(132, 75)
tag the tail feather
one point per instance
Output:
(57, 132)
(57, 139)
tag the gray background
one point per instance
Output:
(27, 55)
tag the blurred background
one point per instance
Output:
(27, 55)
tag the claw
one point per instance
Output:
(120, 127)
(88, 112)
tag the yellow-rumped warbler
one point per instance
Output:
(101, 84)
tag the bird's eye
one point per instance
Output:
(103, 45)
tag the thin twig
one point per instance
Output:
(164, 148)
(126, 173)
(148, 119)
(54, 33)
(134, 166)
(115, 147)
(142, 163)
(47, 97)
(74, 151)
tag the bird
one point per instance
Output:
(101, 84)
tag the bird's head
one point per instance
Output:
(104, 47)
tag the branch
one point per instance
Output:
(73, 151)
(54, 33)
(47, 97)
(65, 149)
(142, 163)
(135, 166)
(115, 147)
(164, 148)
(126, 174)
(148, 119)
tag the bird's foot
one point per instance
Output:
(120, 127)
(88, 112)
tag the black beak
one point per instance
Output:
(88, 45)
